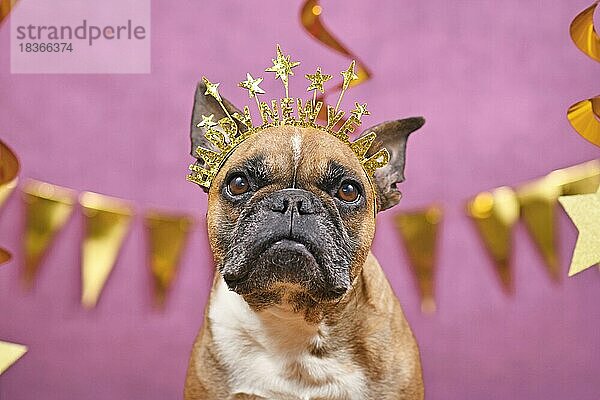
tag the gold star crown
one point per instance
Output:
(226, 135)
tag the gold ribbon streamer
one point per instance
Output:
(5, 256)
(47, 209)
(167, 234)
(107, 221)
(6, 189)
(419, 231)
(310, 17)
(9, 354)
(6, 7)
(584, 117)
(495, 214)
(584, 34)
(9, 169)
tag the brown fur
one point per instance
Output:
(367, 323)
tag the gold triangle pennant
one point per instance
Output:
(167, 234)
(537, 200)
(47, 209)
(495, 214)
(419, 230)
(9, 354)
(107, 221)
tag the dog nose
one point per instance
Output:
(287, 200)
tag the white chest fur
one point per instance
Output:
(268, 354)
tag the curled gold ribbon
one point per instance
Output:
(584, 34)
(310, 17)
(5, 256)
(584, 117)
(9, 169)
(5, 7)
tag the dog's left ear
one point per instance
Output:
(393, 136)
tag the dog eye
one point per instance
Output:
(238, 184)
(348, 192)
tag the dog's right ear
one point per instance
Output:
(207, 105)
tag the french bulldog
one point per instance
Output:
(300, 308)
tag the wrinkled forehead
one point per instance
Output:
(295, 153)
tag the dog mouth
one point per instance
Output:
(290, 247)
(281, 259)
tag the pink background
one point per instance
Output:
(493, 79)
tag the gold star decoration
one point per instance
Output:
(349, 75)
(212, 89)
(207, 121)
(584, 211)
(282, 66)
(285, 111)
(251, 85)
(317, 80)
(360, 110)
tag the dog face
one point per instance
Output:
(291, 213)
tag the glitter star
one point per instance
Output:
(282, 66)
(251, 85)
(349, 75)
(207, 121)
(212, 89)
(317, 80)
(584, 210)
(360, 110)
